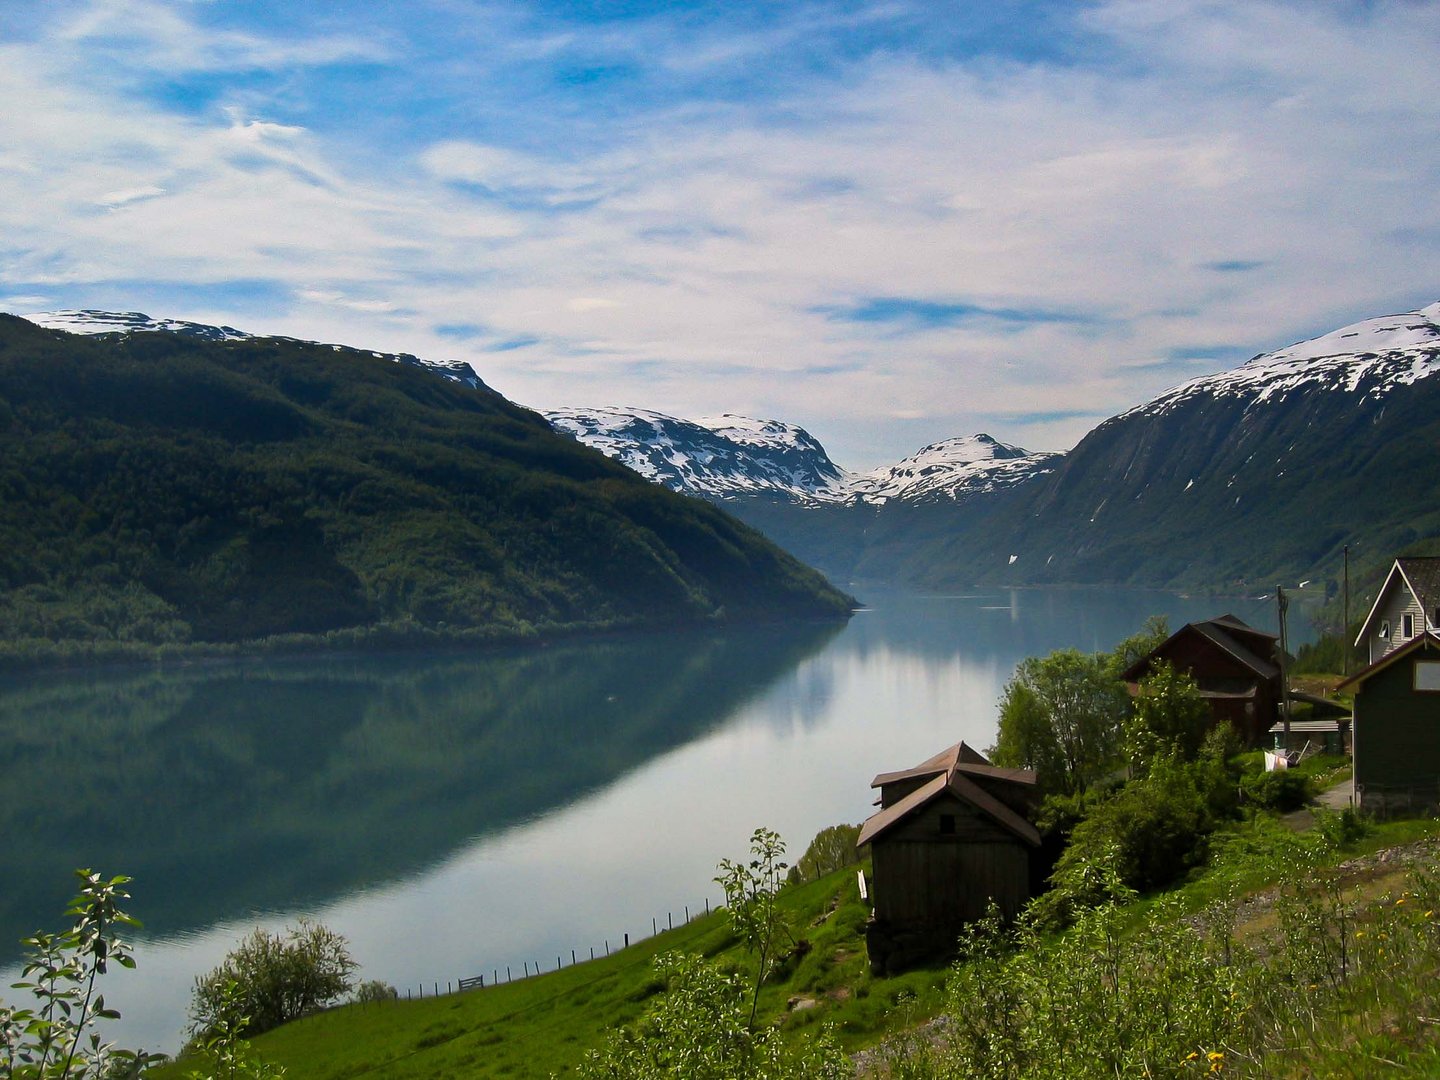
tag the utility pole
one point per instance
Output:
(1345, 633)
(1283, 603)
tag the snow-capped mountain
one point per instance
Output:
(1368, 359)
(1254, 475)
(954, 470)
(733, 457)
(135, 322)
(717, 457)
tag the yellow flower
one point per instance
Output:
(1216, 1055)
(1359, 933)
(1192, 1055)
(1400, 901)
(1429, 913)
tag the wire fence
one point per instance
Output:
(528, 969)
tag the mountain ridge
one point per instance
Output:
(164, 489)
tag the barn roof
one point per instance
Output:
(950, 768)
(961, 756)
(1228, 634)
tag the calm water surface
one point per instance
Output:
(452, 816)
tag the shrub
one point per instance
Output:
(276, 979)
(1281, 790)
(832, 849)
(373, 990)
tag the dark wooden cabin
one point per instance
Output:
(1397, 729)
(952, 835)
(1236, 666)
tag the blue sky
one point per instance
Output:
(890, 222)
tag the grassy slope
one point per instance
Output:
(536, 1026)
(539, 1026)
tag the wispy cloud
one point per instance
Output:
(886, 226)
(915, 313)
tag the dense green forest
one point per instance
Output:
(161, 490)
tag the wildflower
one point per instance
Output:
(1429, 913)
(1400, 901)
(1192, 1055)
(1359, 933)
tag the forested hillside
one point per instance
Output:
(161, 488)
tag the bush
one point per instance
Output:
(1147, 835)
(373, 990)
(1281, 790)
(272, 979)
(832, 849)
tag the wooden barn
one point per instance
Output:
(952, 835)
(1397, 729)
(1236, 666)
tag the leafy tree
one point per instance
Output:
(1169, 717)
(1062, 716)
(751, 900)
(56, 1037)
(1140, 644)
(272, 979)
(832, 849)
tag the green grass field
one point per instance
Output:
(542, 1025)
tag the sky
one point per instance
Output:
(890, 222)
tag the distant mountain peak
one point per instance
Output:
(92, 321)
(954, 470)
(726, 456)
(730, 456)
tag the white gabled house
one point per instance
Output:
(1407, 605)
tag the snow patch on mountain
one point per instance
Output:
(1369, 358)
(954, 470)
(135, 322)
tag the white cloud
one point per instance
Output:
(698, 262)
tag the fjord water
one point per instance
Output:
(455, 815)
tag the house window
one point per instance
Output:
(1385, 630)
(1407, 626)
(1427, 676)
(947, 821)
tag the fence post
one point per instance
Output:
(572, 957)
(687, 914)
(654, 929)
(507, 973)
(670, 918)
(627, 939)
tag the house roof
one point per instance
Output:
(1427, 640)
(952, 769)
(1418, 573)
(1226, 633)
(961, 756)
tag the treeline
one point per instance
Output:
(161, 490)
